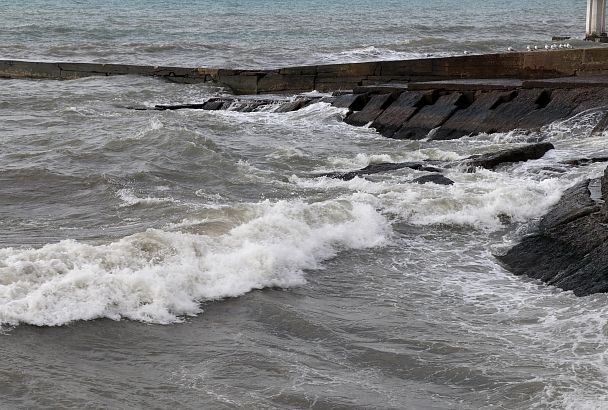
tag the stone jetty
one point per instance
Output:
(514, 65)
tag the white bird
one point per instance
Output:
(528, 48)
(510, 49)
(553, 46)
(536, 47)
(546, 46)
(561, 46)
(568, 45)
(466, 52)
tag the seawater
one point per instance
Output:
(276, 33)
(194, 259)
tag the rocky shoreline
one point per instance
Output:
(570, 248)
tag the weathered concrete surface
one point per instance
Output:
(570, 248)
(372, 110)
(468, 120)
(401, 111)
(475, 84)
(523, 66)
(507, 116)
(431, 116)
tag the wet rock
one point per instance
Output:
(560, 105)
(295, 105)
(431, 116)
(383, 167)
(434, 179)
(466, 121)
(372, 110)
(584, 161)
(354, 102)
(517, 154)
(507, 116)
(212, 104)
(404, 107)
(570, 248)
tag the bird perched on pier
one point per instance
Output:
(510, 49)
(528, 48)
(536, 47)
(466, 52)
(546, 46)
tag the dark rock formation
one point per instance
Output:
(372, 110)
(431, 116)
(383, 167)
(354, 102)
(434, 179)
(517, 154)
(467, 121)
(570, 249)
(400, 111)
(488, 161)
(506, 116)
(295, 105)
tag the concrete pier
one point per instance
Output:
(596, 20)
(532, 65)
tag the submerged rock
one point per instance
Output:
(488, 161)
(518, 154)
(383, 167)
(434, 179)
(570, 249)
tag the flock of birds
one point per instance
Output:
(547, 47)
(535, 48)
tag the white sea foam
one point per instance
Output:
(158, 276)
(484, 199)
(129, 198)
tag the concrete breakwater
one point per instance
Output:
(520, 65)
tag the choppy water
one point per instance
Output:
(191, 259)
(271, 33)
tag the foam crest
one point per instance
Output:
(159, 276)
(484, 199)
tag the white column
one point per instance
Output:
(596, 18)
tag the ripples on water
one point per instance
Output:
(270, 33)
(393, 299)
(276, 289)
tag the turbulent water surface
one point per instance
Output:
(192, 259)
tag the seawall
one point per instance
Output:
(332, 77)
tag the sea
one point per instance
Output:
(196, 260)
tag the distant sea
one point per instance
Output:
(270, 33)
(195, 260)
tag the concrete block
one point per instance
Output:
(239, 84)
(372, 110)
(562, 103)
(431, 116)
(354, 102)
(506, 116)
(400, 111)
(270, 83)
(465, 121)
